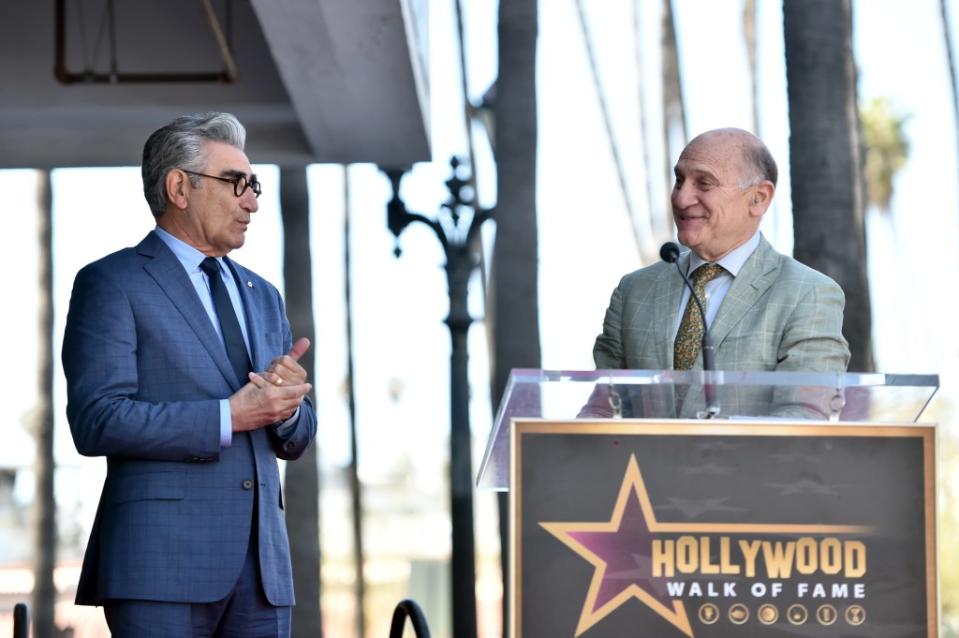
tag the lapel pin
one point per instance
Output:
(249, 284)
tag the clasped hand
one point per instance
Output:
(273, 395)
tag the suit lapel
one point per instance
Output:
(170, 276)
(669, 292)
(254, 329)
(756, 276)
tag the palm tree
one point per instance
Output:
(657, 217)
(749, 39)
(951, 65)
(514, 291)
(824, 153)
(674, 108)
(302, 503)
(887, 150)
(640, 223)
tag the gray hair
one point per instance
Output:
(179, 144)
(759, 161)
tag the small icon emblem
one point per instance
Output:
(855, 615)
(738, 614)
(797, 614)
(826, 614)
(708, 614)
(768, 614)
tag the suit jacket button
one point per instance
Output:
(247, 484)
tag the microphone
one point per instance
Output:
(669, 252)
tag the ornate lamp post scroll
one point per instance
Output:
(456, 233)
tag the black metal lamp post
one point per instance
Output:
(456, 233)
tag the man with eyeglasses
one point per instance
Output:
(181, 370)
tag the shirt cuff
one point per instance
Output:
(226, 424)
(285, 428)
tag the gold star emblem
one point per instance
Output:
(586, 540)
(620, 549)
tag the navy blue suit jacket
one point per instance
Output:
(145, 374)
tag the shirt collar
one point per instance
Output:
(733, 262)
(189, 256)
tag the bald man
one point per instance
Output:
(764, 310)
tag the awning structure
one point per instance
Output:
(84, 82)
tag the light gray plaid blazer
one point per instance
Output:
(777, 315)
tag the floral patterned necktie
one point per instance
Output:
(689, 338)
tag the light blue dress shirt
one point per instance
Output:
(716, 289)
(191, 258)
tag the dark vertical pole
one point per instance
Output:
(458, 267)
(355, 485)
(461, 258)
(302, 502)
(21, 621)
(44, 519)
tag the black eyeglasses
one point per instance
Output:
(240, 182)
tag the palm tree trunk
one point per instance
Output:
(45, 506)
(303, 502)
(640, 224)
(824, 153)
(660, 221)
(749, 39)
(514, 293)
(950, 59)
(674, 109)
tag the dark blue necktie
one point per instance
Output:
(232, 336)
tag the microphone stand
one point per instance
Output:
(709, 350)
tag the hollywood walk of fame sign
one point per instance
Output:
(679, 528)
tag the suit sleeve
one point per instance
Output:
(106, 407)
(812, 338)
(291, 440)
(608, 348)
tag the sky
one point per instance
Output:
(401, 344)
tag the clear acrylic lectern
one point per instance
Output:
(684, 395)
